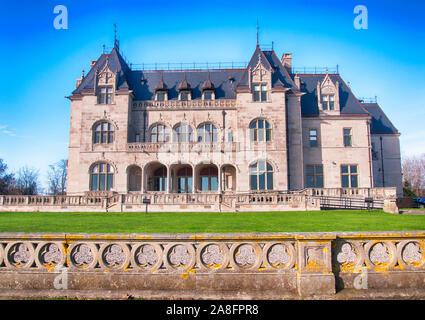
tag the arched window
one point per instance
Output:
(103, 132)
(208, 178)
(158, 181)
(261, 176)
(207, 132)
(183, 133)
(160, 133)
(101, 177)
(260, 130)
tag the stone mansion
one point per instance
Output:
(262, 128)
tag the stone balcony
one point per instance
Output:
(190, 104)
(155, 147)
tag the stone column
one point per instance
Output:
(314, 276)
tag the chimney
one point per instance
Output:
(287, 60)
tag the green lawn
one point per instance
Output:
(189, 222)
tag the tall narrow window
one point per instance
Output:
(160, 133)
(314, 176)
(261, 176)
(260, 93)
(207, 133)
(183, 133)
(158, 181)
(103, 133)
(349, 176)
(105, 95)
(347, 137)
(260, 131)
(208, 179)
(313, 138)
(101, 177)
(328, 102)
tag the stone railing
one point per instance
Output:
(152, 147)
(309, 199)
(190, 104)
(22, 200)
(212, 265)
(376, 193)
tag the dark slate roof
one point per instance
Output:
(116, 64)
(309, 103)
(224, 83)
(380, 122)
(280, 74)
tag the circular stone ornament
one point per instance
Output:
(49, 254)
(114, 256)
(146, 256)
(349, 256)
(212, 256)
(19, 255)
(279, 255)
(179, 256)
(410, 254)
(82, 255)
(245, 256)
(380, 253)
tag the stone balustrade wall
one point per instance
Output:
(271, 266)
(159, 202)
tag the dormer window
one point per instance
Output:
(328, 95)
(208, 89)
(105, 95)
(184, 90)
(260, 92)
(208, 95)
(161, 91)
(184, 95)
(328, 102)
(160, 96)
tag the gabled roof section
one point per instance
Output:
(184, 85)
(115, 62)
(280, 76)
(380, 122)
(349, 105)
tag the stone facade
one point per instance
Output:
(214, 266)
(223, 131)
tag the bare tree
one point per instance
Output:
(27, 181)
(414, 174)
(7, 180)
(57, 177)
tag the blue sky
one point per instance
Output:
(40, 64)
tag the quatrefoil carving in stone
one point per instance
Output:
(114, 255)
(412, 253)
(379, 253)
(179, 256)
(20, 254)
(245, 255)
(147, 256)
(83, 255)
(278, 255)
(51, 254)
(347, 254)
(212, 255)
